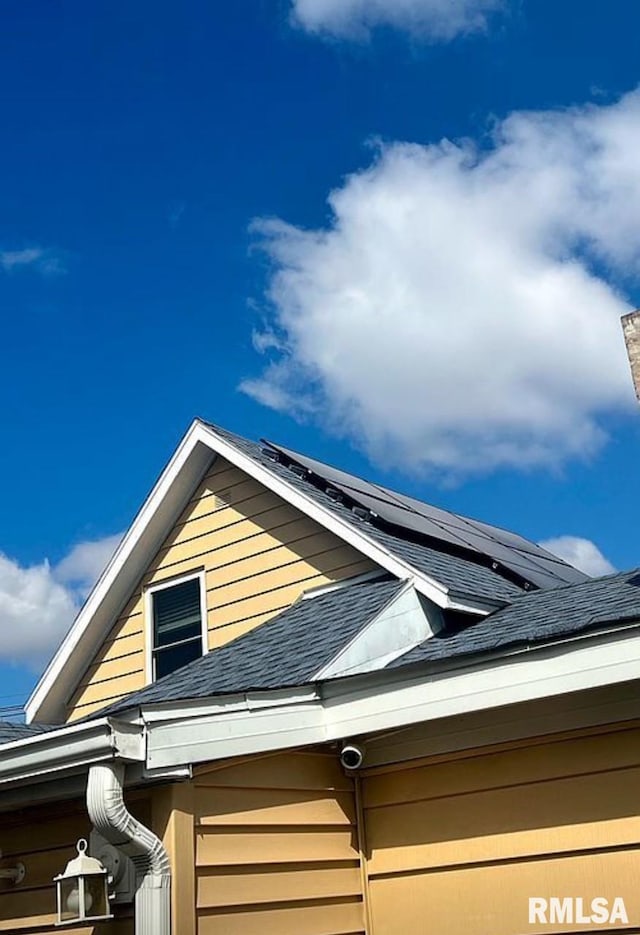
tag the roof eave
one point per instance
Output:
(161, 739)
(191, 732)
(53, 754)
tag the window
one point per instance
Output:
(176, 625)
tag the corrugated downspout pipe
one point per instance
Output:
(107, 811)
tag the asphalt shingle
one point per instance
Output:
(10, 731)
(288, 650)
(285, 651)
(536, 617)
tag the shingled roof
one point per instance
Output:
(291, 648)
(531, 595)
(9, 731)
(538, 617)
(294, 646)
(287, 650)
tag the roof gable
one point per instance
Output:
(252, 554)
(145, 535)
(149, 529)
(449, 579)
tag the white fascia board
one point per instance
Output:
(401, 624)
(213, 737)
(149, 529)
(525, 675)
(575, 711)
(56, 753)
(387, 700)
(221, 705)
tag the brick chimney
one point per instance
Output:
(631, 329)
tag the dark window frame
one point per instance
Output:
(179, 649)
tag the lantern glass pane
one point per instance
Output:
(69, 899)
(95, 895)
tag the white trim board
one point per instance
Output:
(175, 736)
(403, 623)
(532, 721)
(196, 733)
(146, 534)
(150, 527)
(147, 613)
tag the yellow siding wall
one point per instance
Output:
(259, 555)
(44, 840)
(270, 846)
(460, 846)
(276, 848)
(174, 823)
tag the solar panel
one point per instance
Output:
(514, 552)
(407, 519)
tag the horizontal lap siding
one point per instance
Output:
(494, 900)
(44, 840)
(118, 667)
(461, 846)
(276, 848)
(259, 554)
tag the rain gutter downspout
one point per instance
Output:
(107, 811)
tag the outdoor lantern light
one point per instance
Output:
(82, 890)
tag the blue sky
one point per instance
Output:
(447, 323)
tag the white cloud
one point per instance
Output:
(44, 261)
(35, 611)
(38, 603)
(438, 20)
(85, 562)
(454, 315)
(581, 553)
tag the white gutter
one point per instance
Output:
(258, 722)
(524, 674)
(170, 736)
(57, 752)
(107, 811)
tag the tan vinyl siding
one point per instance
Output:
(461, 846)
(44, 840)
(258, 553)
(118, 663)
(276, 848)
(173, 822)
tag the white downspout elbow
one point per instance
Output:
(107, 811)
